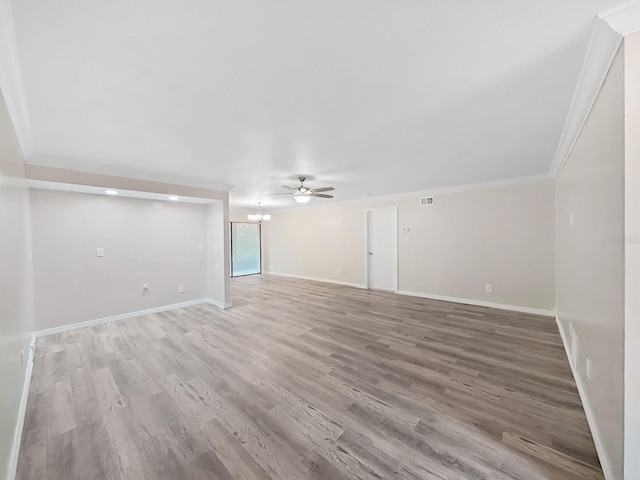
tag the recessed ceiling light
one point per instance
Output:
(173, 198)
(111, 192)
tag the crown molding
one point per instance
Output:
(39, 177)
(603, 47)
(609, 29)
(92, 190)
(38, 160)
(378, 199)
(623, 19)
(11, 85)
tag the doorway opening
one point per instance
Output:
(246, 250)
(382, 249)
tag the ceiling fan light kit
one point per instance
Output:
(302, 194)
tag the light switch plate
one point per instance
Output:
(99, 252)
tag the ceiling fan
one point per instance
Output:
(303, 194)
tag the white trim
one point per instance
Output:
(316, 279)
(93, 190)
(632, 260)
(366, 249)
(11, 82)
(394, 208)
(65, 177)
(624, 19)
(603, 47)
(480, 303)
(75, 170)
(22, 412)
(421, 193)
(595, 432)
(115, 318)
(218, 304)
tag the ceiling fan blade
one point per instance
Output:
(290, 188)
(283, 193)
(321, 195)
(323, 189)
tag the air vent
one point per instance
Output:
(426, 201)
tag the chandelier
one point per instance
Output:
(259, 216)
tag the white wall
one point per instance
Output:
(218, 267)
(590, 262)
(502, 236)
(145, 242)
(240, 216)
(16, 316)
(632, 257)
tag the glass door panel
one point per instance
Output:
(245, 249)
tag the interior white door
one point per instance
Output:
(382, 251)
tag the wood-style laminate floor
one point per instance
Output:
(304, 380)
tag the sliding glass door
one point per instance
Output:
(245, 249)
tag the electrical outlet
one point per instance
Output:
(489, 288)
(22, 358)
(99, 252)
(571, 218)
(571, 329)
(588, 368)
(338, 271)
(180, 288)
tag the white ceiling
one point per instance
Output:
(370, 96)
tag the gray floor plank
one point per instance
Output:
(304, 380)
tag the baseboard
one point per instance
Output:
(22, 409)
(315, 279)
(115, 318)
(480, 303)
(595, 432)
(218, 304)
(22, 412)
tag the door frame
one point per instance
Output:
(231, 249)
(394, 209)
